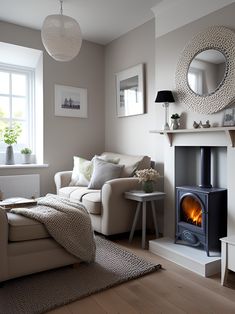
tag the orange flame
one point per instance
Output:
(192, 211)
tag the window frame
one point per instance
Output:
(30, 102)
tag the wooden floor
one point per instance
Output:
(171, 290)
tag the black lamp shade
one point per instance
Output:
(165, 96)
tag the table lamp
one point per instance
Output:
(165, 97)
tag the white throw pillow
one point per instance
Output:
(82, 171)
(103, 171)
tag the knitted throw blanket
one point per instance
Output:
(67, 222)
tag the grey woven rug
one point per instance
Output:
(45, 291)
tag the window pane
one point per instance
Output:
(23, 138)
(18, 108)
(19, 84)
(3, 124)
(4, 107)
(4, 83)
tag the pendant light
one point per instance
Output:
(61, 36)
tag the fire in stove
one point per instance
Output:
(191, 211)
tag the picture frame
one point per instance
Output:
(130, 91)
(70, 101)
(229, 117)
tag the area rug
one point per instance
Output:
(45, 291)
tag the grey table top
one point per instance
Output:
(141, 196)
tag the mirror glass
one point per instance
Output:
(206, 72)
(130, 91)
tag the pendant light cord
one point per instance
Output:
(61, 7)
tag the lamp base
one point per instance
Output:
(166, 126)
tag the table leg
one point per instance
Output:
(154, 218)
(143, 225)
(224, 263)
(134, 221)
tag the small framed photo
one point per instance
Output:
(229, 117)
(70, 101)
(130, 91)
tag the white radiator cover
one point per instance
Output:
(20, 186)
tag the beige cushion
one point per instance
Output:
(22, 228)
(131, 163)
(102, 172)
(76, 196)
(75, 192)
(92, 202)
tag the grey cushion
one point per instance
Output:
(22, 228)
(103, 171)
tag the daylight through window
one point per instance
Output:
(17, 104)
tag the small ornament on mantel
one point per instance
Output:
(175, 118)
(206, 125)
(201, 125)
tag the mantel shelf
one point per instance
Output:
(229, 131)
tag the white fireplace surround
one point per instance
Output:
(176, 143)
(215, 137)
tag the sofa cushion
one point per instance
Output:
(82, 171)
(103, 171)
(83, 168)
(92, 202)
(75, 191)
(131, 163)
(22, 228)
(77, 195)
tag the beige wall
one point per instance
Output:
(131, 134)
(65, 137)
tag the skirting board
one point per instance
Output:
(191, 258)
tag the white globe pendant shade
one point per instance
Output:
(61, 37)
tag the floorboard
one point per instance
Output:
(172, 289)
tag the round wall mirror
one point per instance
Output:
(206, 72)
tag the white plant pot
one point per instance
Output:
(27, 158)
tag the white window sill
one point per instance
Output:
(22, 166)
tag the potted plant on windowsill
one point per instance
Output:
(10, 136)
(26, 152)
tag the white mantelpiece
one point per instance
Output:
(220, 132)
(223, 137)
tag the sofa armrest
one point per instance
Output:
(3, 245)
(62, 179)
(117, 211)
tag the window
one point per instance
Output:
(21, 99)
(195, 80)
(17, 104)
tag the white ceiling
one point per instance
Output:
(101, 21)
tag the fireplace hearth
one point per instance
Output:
(201, 211)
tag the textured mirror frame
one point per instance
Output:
(223, 40)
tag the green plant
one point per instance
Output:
(26, 151)
(175, 116)
(11, 134)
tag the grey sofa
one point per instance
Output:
(110, 212)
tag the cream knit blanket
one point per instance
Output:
(67, 222)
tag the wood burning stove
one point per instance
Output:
(201, 211)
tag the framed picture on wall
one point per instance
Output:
(70, 101)
(229, 117)
(130, 91)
